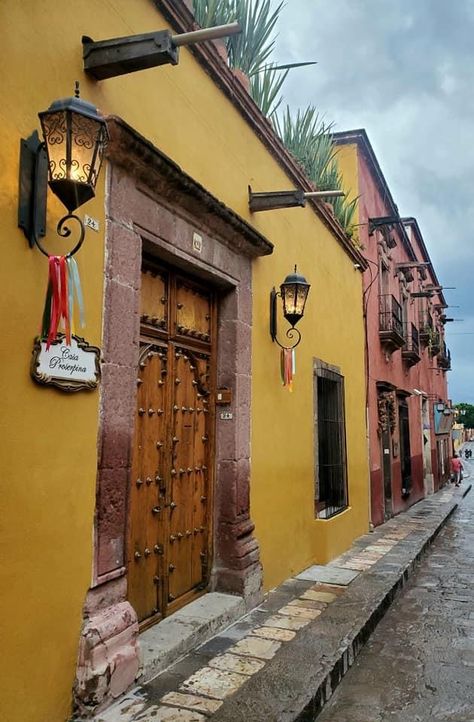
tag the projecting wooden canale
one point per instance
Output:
(171, 478)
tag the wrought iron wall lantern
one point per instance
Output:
(70, 157)
(294, 292)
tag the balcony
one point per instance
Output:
(434, 344)
(411, 347)
(426, 330)
(444, 358)
(390, 323)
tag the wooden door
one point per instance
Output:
(172, 464)
(386, 452)
(405, 454)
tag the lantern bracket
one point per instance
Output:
(33, 188)
(118, 56)
(272, 200)
(293, 334)
(32, 195)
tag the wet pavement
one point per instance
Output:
(419, 663)
(281, 661)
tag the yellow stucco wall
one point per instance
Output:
(49, 439)
(282, 489)
(348, 162)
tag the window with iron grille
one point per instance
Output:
(330, 441)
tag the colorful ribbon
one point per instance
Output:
(288, 367)
(64, 286)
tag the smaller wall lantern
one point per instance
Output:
(294, 292)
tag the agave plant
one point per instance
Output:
(251, 50)
(266, 84)
(214, 12)
(308, 137)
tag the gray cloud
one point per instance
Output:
(403, 70)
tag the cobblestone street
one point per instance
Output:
(419, 663)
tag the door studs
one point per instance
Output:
(156, 509)
(137, 556)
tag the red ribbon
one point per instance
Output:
(57, 306)
(286, 366)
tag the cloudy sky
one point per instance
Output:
(404, 71)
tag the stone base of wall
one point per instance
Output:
(109, 659)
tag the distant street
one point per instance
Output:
(419, 664)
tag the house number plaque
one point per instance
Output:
(69, 368)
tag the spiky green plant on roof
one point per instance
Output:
(306, 135)
(251, 50)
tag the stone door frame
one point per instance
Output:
(153, 207)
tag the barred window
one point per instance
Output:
(330, 442)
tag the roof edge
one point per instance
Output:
(182, 19)
(361, 139)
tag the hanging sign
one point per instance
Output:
(69, 367)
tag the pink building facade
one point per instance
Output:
(408, 411)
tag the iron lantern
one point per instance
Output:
(70, 157)
(75, 136)
(294, 293)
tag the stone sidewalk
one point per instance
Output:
(282, 661)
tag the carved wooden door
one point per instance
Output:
(172, 464)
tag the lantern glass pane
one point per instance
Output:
(289, 297)
(302, 295)
(85, 160)
(55, 132)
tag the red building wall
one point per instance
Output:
(387, 371)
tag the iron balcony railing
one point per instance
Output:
(444, 357)
(434, 344)
(390, 320)
(426, 328)
(411, 347)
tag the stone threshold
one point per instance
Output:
(282, 661)
(173, 637)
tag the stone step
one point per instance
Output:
(175, 636)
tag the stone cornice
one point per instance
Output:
(155, 170)
(182, 20)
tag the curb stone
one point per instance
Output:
(292, 687)
(317, 631)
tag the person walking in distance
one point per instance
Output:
(457, 467)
